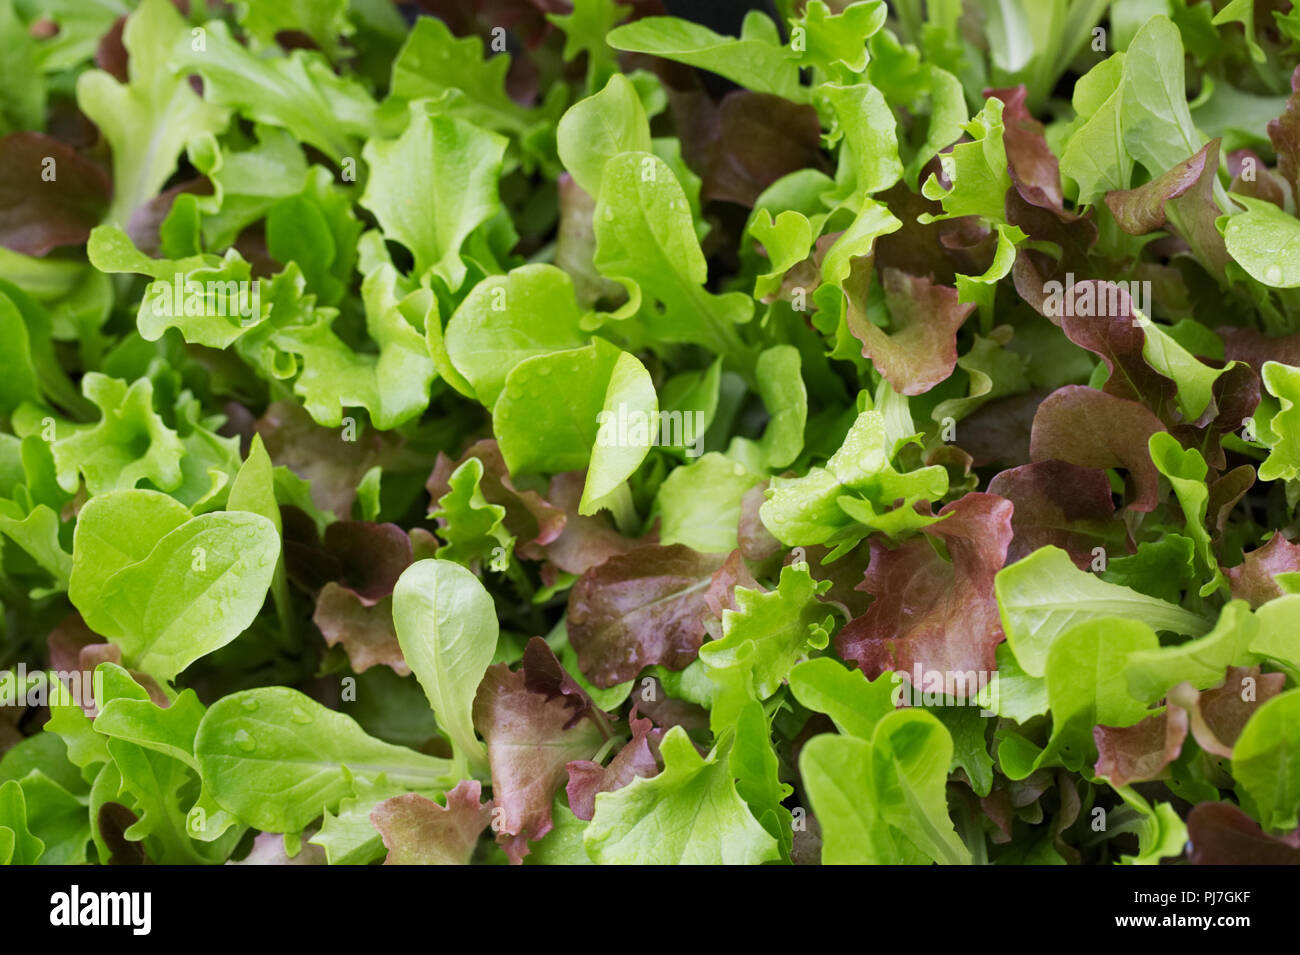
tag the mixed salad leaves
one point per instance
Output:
(561, 432)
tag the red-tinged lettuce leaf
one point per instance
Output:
(1144, 208)
(920, 350)
(112, 822)
(668, 711)
(67, 641)
(721, 592)
(1033, 166)
(1033, 267)
(1117, 337)
(1221, 834)
(544, 674)
(1059, 504)
(1219, 714)
(1031, 274)
(39, 214)
(958, 463)
(306, 561)
(371, 557)
(746, 142)
(365, 631)
(146, 221)
(1197, 211)
(970, 244)
(756, 541)
(323, 456)
(1134, 754)
(1254, 579)
(639, 609)
(268, 849)
(1251, 177)
(418, 831)
(997, 806)
(535, 724)
(529, 517)
(1093, 429)
(930, 613)
(998, 432)
(1254, 348)
(585, 542)
(1225, 492)
(575, 246)
(74, 648)
(845, 574)
(362, 557)
(110, 52)
(929, 248)
(1284, 133)
(638, 758)
(1233, 398)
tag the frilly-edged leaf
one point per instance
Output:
(436, 64)
(931, 616)
(688, 813)
(768, 633)
(977, 170)
(325, 22)
(640, 608)
(645, 238)
(535, 720)
(828, 505)
(920, 349)
(1257, 579)
(130, 443)
(1283, 382)
(211, 300)
(463, 164)
(148, 120)
(418, 831)
(300, 91)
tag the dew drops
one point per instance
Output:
(244, 741)
(250, 705)
(1273, 274)
(299, 717)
